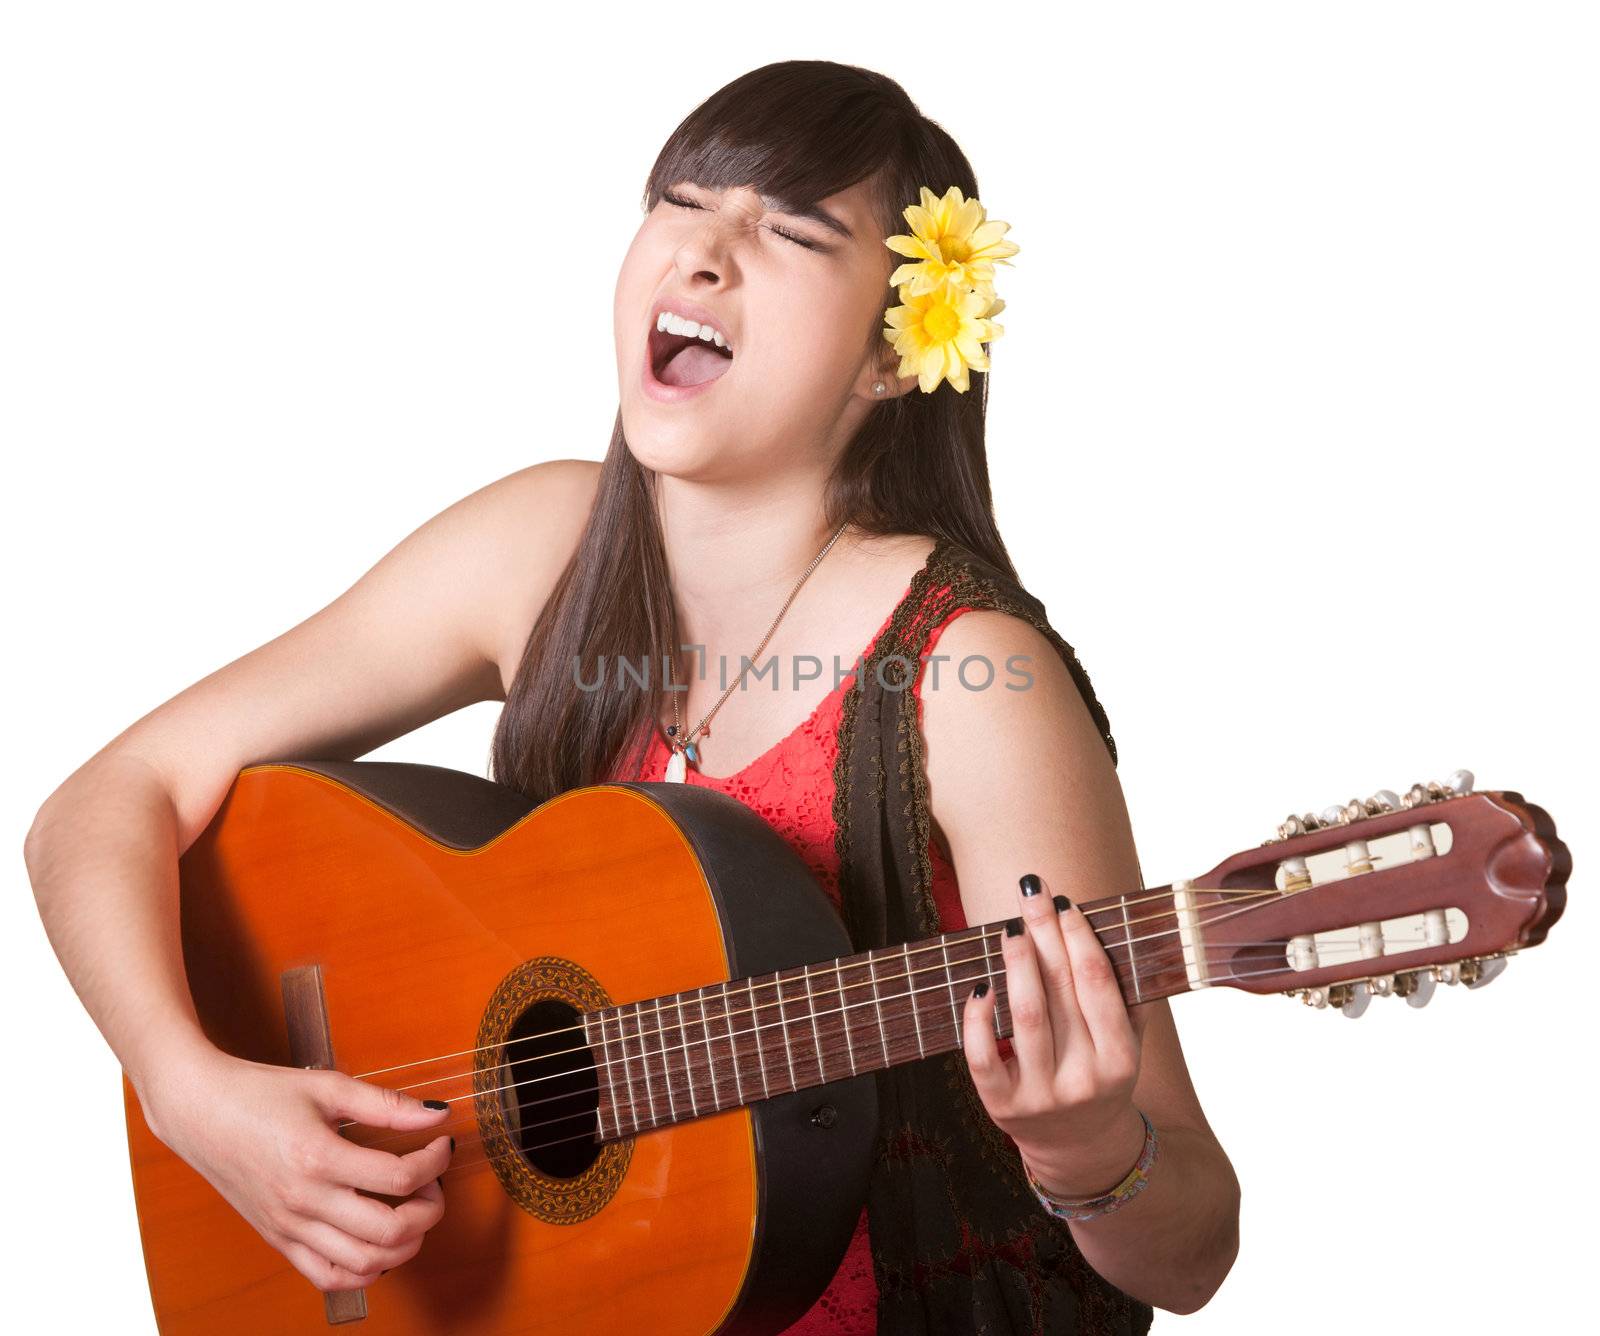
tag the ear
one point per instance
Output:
(884, 374)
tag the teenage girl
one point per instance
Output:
(732, 466)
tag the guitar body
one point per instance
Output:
(436, 908)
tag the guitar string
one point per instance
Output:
(708, 1039)
(1088, 911)
(1323, 946)
(984, 934)
(943, 941)
(589, 1135)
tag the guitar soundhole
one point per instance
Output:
(552, 1094)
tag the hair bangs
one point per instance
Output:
(797, 132)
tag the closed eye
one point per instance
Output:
(798, 240)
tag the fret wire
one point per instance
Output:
(627, 1065)
(877, 1002)
(627, 1069)
(1127, 932)
(950, 985)
(727, 1024)
(688, 1067)
(644, 1058)
(611, 1078)
(711, 1058)
(639, 1117)
(783, 1024)
(844, 1018)
(761, 1053)
(666, 1062)
(816, 1035)
(606, 1015)
(988, 970)
(916, 1010)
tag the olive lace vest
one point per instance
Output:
(959, 1243)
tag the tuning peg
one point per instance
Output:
(1409, 983)
(1461, 781)
(1359, 999)
(1485, 969)
(1385, 800)
(1423, 984)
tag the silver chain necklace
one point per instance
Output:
(685, 752)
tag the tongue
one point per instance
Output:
(694, 364)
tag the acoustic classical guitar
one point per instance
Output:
(655, 1039)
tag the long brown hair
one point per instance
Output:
(798, 130)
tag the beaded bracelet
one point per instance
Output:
(1106, 1202)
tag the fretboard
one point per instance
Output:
(685, 1055)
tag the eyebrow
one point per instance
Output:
(814, 212)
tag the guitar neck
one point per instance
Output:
(685, 1055)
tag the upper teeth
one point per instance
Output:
(673, 323)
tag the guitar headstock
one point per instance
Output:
(1387, 896)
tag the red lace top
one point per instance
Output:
(791, 786)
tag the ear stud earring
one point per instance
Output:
(878, 387)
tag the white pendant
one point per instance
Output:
(675, 768)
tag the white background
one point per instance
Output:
(1291, 429)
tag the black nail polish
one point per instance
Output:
(1030, 884)
(452, 1145)
(437, 1104)
(1061, 903)
(1014, 927)
(982, 990)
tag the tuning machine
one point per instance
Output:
(1479, 970)
(1459, 783)
(1349, 999)
(1352, 999)
(1384, 800)
(1417, 986)
(1474, 971)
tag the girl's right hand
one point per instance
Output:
(265, 1138)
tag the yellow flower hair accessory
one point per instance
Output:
(947, 294)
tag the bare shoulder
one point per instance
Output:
(1019, 777)
(526, 528)
(994, 669)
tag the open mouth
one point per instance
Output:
(677, 359)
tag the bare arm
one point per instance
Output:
(1021, 782)
(424, 632)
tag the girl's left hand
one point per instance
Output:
(1066, 1097)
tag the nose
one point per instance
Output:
(708, 250)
